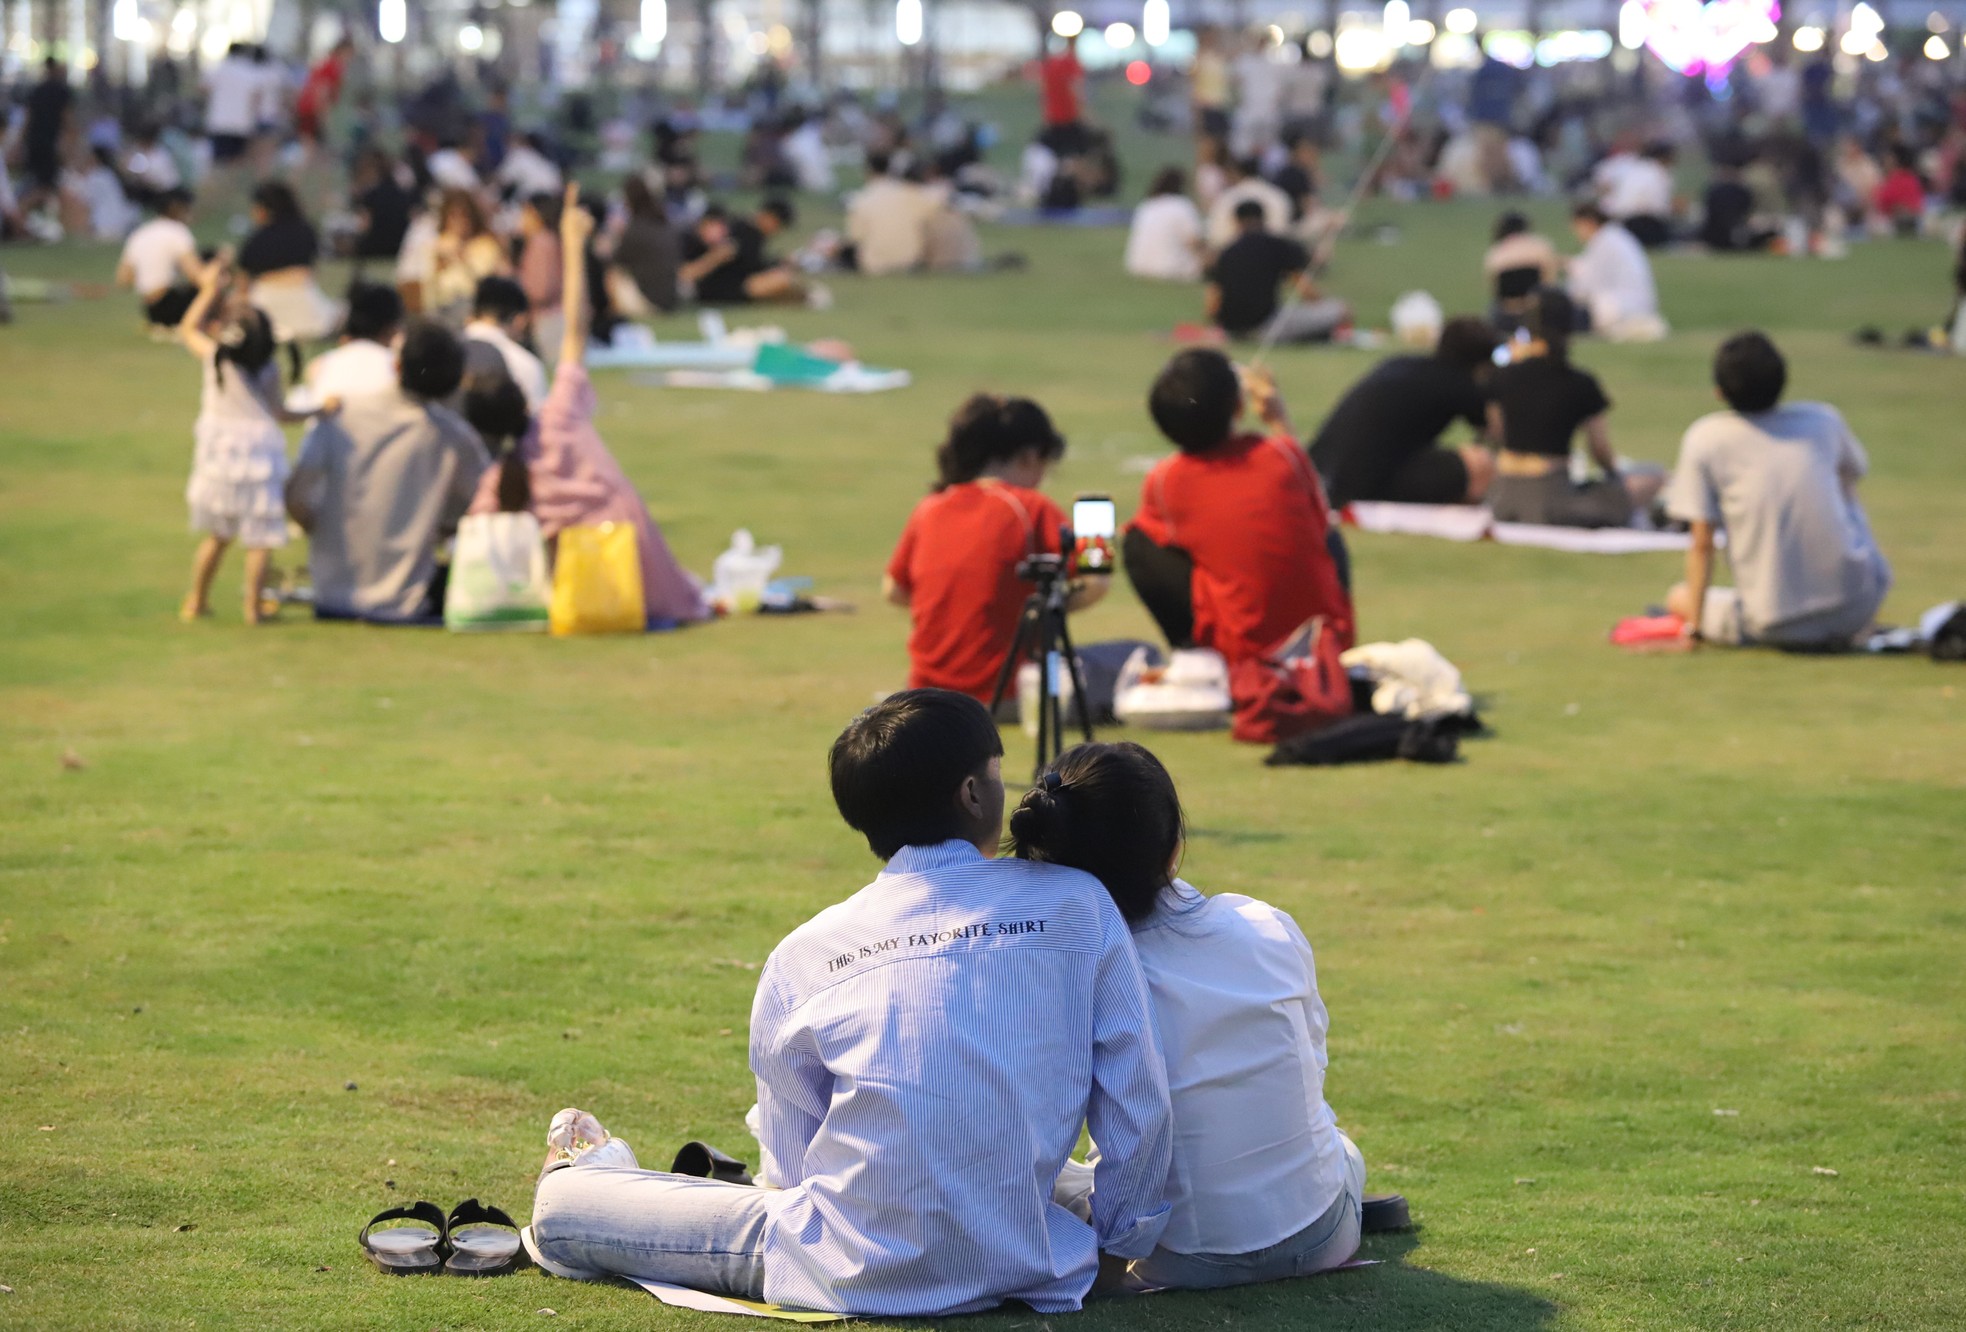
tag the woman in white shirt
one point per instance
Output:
(1165, 242)
(1263, 1185)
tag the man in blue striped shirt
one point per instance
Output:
(926, 1053)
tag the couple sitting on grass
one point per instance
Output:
(928, 1051)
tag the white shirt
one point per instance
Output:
(887, 223)
(1631, 186)
(1612, 278)
(355, 369)
(1257, 1156)
(526, 369)
(155, 253)
(1165, 239)
(452, 170)
(1782, 484)
(1222, 228)
(232, 89)
(926, 1052)
(529, 172)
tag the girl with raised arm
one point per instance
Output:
(573, 477)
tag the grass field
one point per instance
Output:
(301, 922)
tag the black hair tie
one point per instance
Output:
(1052, 781)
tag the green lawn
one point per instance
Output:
(315, 919)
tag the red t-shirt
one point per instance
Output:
(1253, 517)
(1058, 77)
(1901, 192)
(957, 559)
(322, 88)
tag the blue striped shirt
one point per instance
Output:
(926, 1054)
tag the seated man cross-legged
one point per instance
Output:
(926, 1054)
(1781, 480)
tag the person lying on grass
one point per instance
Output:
(926, 1053)
(1233, 547)
(572, 477)
(1263, 1185)
(1781, 481)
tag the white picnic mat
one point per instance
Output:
(1467, 522)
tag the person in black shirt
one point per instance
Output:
(1299, 176)
(282, 238)
(727, 264)
(382, 204)
(1381, 440)
(1245, 280)
(49, 103)
(1538, 402)
(1727, 217)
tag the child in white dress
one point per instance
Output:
(239, 471)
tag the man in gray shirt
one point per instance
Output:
(380, 482)
(1780, 480)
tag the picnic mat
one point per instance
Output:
(775, 366)
(1467, 522)
(674, 356)
(682, 1297)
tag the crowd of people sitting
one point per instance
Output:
(413, 425)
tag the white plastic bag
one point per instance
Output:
(1190, 693)
(739, 576)
(499, 579)
(1417, 320)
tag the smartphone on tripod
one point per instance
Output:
(1095, 535)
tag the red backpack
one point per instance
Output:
(1298, 687)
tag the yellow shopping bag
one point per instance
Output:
(597, 581)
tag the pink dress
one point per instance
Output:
(576, 480)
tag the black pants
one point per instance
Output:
(1163, 578)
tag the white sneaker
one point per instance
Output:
(577, 1138)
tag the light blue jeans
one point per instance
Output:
(590, 1222)
(1322, 1245)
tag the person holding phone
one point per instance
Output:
(955, 567)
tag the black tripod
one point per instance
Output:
(1043, 636)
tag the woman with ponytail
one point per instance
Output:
(955, 569)
(1263, 1184)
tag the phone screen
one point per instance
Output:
(1095, 526)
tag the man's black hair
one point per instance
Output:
(1510, 224)
(1467, 343)
(549, 207)
(897, 767)
(500, 300)
(1249, 212)
(781, 209)
(175, 197)
(1589, 212)
(431, 363)
(1750, 373)
(1195, 399)
(878, 163)
(375, 311)
(1249, 168)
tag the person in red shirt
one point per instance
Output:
(1900, 197)
(1233, 547)
(1060, 77)
(321, 91)
(955, 568)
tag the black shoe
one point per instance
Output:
(1383, 1212)
(706, 1162)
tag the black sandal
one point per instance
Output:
(1383, 1212)
(477, 1248)
(706, 1162)
(406, 1250)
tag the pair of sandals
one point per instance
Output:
(473, 1241)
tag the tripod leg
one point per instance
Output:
(1027, 628)
(1072, 663)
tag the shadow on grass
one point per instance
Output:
(1391, 1297)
